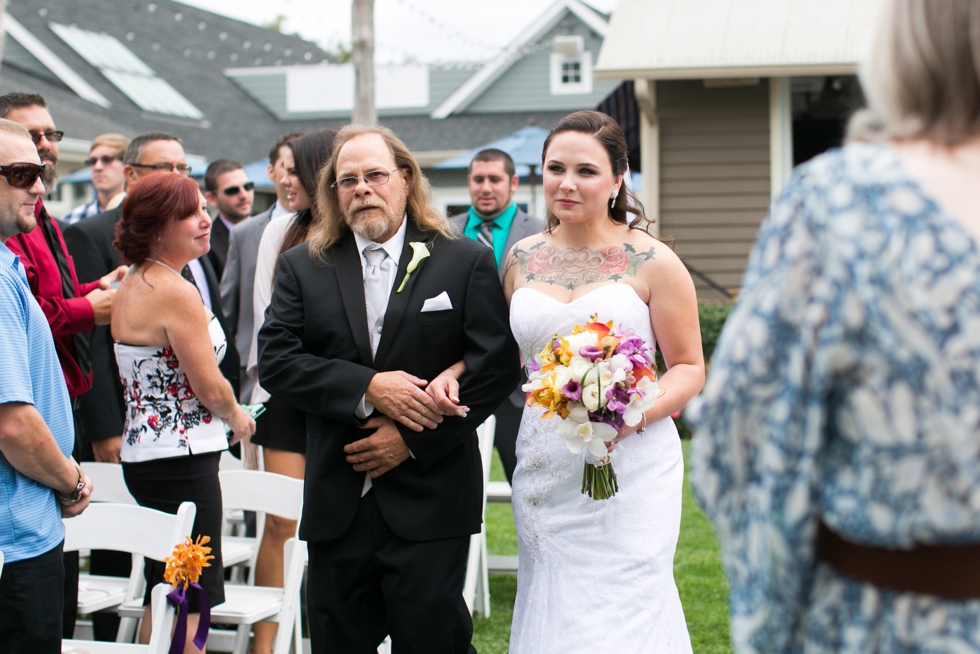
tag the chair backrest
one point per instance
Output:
(1, 563)
(485, 433)
(263, 492)
(134, 529)
(163, 619)
(294, 563)
(108, 484)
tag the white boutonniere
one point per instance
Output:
(420, 252)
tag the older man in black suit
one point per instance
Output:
(383, 298)
(498, 223)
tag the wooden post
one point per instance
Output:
(645, 91)
(3, 34)
(362, 54)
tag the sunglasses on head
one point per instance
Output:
(232, 191)
(22, 175)
(106, 159)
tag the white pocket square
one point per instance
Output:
(438, 303)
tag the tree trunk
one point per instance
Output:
(362, 54)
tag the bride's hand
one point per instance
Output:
(444, 389)
(625, 432)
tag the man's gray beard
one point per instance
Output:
(50, 177)
(375, 229)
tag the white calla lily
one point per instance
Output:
(579, 435)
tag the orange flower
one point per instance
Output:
(184, 566)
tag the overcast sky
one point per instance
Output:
(423, 30)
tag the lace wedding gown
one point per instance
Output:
(594, 576)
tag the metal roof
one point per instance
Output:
(694, 39)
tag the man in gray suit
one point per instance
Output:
(498, 223)
(238, 278)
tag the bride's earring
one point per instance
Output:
(612, 201)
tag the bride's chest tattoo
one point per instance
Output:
(571, 267)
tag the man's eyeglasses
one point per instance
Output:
(162, 167)
(232, 191)
(373, 178)
(51, 136)
(106, 159)
(22, 175)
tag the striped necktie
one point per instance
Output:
(485, 233)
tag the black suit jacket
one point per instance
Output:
(220, 238)
(102, 409)
(314, 353)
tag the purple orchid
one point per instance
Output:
(572, 390)
(591, 352)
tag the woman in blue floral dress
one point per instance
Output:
(837, 443)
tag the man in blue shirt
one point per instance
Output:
(498, 223)
(39, 481)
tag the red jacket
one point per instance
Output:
(65, 317)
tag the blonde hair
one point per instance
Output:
(922, 78)
(14, 129)
(115, 142)
(333, 225)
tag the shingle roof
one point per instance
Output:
(235, 126)
(188, 52)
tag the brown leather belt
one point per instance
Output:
(948, 571)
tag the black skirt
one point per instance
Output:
(281, 427)
(163, 484)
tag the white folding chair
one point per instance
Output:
(262, 492)
(163, 617)
(265, 493)
(1, 562)
(135, 529)
(246, 605)
(108, 483)
(476, 587)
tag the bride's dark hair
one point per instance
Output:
(610, 135)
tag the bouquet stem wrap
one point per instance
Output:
(184, 568)
(598, 381)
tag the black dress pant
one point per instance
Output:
(31, 597)
(505, 437)
(370, 583)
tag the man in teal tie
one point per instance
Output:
(495, 221)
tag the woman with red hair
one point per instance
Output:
(168, 346)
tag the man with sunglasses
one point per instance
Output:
(227, 189)
(105, 160)
(39, 480)
(72, 309)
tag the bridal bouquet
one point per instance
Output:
(597, 380)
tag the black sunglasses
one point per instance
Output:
(22, 175)
(106, 159)
(232, 191)
(51, 136)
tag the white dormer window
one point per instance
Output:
(571, 66)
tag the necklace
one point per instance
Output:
(165, 266)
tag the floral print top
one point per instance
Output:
(845, 388)
(163, 417)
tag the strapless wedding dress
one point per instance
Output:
(594, 576)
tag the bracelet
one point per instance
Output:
(644, 427)
(75, 497)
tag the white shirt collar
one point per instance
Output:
(393, 246)
(230, 225)
(279, 210)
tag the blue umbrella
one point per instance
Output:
(524, 146)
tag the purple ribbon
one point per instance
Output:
(178, 599)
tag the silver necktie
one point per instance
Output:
(376, 287)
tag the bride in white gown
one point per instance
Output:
(597, 576)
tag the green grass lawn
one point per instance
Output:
(697, 570)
